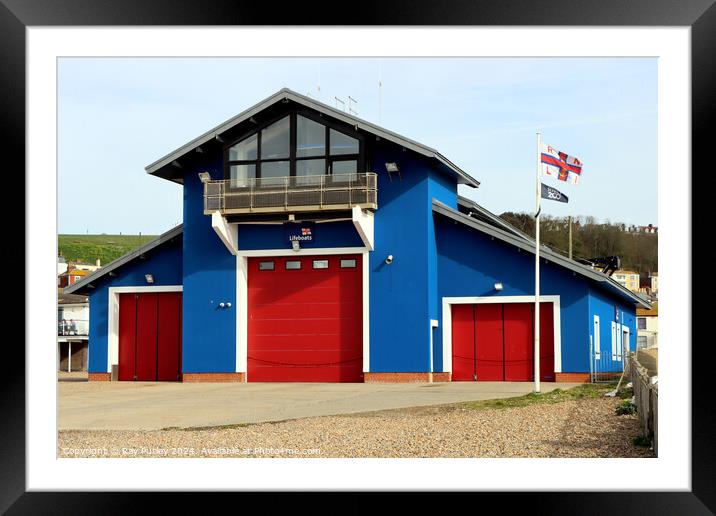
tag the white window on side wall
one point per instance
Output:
(597, 340)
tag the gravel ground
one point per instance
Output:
(575, 428)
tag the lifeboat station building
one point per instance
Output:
(318, 247)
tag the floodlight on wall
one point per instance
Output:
(295, 245)
(498, 286)
(149, 278)
(204, 177)
(393, 168)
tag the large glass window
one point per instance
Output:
(245, 150)
(275, 140)
(241, 174)
(295, 145)
(310, 138)
(342, 144)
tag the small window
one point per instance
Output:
(348, 264)
(265, 266)
(641, 323)
(293, 265)
(320, 264)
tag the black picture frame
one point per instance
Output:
(700, 15)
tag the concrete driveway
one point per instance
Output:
(151, 406)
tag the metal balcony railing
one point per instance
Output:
(294, 193)
(68, 327)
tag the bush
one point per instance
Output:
(626, 407)
(641, 440)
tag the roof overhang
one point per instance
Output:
(163, 166)
(122, 260)
(547, 253)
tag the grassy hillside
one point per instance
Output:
(89, 248)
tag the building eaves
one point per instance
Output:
(548, 254)
(122, 260)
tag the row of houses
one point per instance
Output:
(316, 246)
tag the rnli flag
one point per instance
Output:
(553, 194)
(560, 165)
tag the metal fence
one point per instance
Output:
(608, 365)
(291, 193)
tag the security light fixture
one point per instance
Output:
(392, 167)
(204, 177)
(295, 245)
(149, 278)
(498, 286)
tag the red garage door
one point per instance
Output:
(305, 319)
(494, 342)
(150, 336)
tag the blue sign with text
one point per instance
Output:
(303, 233)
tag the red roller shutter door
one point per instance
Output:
(150, 336)
(494, 342)
(489, 359)
(463, 342)
(305, 323)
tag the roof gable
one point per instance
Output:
(122, 260)
(529, 245)
(165, 166)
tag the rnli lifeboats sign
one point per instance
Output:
(304, 234)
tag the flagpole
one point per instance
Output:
(538, 192)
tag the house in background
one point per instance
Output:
(316, 246)
(71, 276)
(654, 279)
(629, 279)
(61, 265)
(647, 324)
(82, 266)
(72, 332)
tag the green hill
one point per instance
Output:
(89, 248)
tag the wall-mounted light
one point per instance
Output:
(149, 278)
(392, 167)
(295, 245)
(498, 286)
(204, 177)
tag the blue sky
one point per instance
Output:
(117, 115)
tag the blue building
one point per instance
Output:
(319, 247)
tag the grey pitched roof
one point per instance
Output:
(489, 217)
(285, 93)
(161, 239)
(64, 298)
(528, 245)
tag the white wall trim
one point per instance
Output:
(304, 251)
(113, 315)
(363, 222)
(433, 324)
(365, 259)
(242, 314)
(447, 302)
(228, 233)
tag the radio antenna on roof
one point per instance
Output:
(352, 111)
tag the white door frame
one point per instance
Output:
(467, 300)
(113, 315)
(242, 308)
